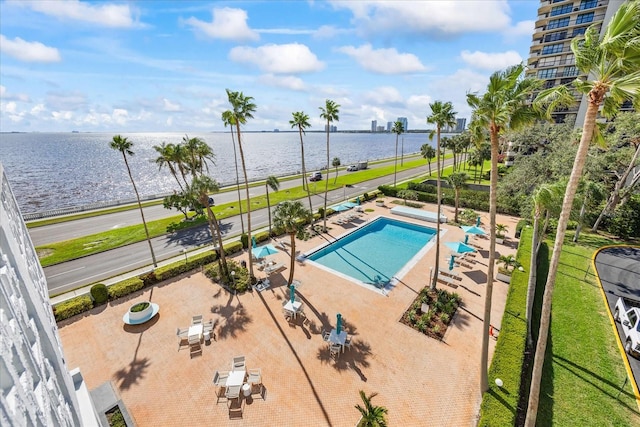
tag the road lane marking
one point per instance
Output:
(66, 272)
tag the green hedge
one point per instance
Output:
(99, 293)
(71, 307)
(125, 287)
(499, 405)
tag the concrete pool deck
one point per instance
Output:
(420, 380)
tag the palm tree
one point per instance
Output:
(428, 152)
(291, 216)
(301, 121)
(228, 120)
(273, 183)
(545, 198)
(330, 113)
(165, 157)
(372, 415)
(442, 115)
(444, 144)
(614, 63)
(123, 145)
(504, 105)
(335, 163)
(457, 180)
(201, 187)
(397, 129)
(243, 109)
(198, 154)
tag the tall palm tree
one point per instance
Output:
(505, 105)
(301, 121)
(372, 415)
(243, 109)
(398, 128)
(165, 158)
(545, 199)
(291, 216)
(273, 183)
(228, 120)
(123, 145)
(428, 152)
(330, 113)
(457, 181)
(201, 187)
(614, 63)
(442, 115)
(335, 163)
(198, 154)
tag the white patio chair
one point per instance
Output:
(220, 381)
(334, 350)
(347, 342)
(255, 380)
(238, 364)
(183, 335)
(196, 320)
(325, 335)
(195, 349)
(233, 392)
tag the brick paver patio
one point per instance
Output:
(422, 382)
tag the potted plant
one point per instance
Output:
(380, 201)
(140, 312)
(509, 264)
(501, 231)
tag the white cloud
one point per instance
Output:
(66, 101)
(287, 82)
(103, 14)
(6, 95)
(28, 51)
(383, 61)
(384, 95)
(227, 23)
(521, 29)
(292, 58)
(169, 106)
(435, 16)
(491, 61)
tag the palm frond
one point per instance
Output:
(549, 100)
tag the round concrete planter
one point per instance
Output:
(142, 316)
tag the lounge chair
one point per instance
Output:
(238, 364)
(447, 281)
(262, 284)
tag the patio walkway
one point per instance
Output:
(420, 380)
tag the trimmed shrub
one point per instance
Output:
(149, 279)
(71, 307)
(424, 188)
(232, 248)
(388, 190)
(521, 224)
(125, 287)
(262, 236)
(99, 293)
(244, 239)
(178, 268)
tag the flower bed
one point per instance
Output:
(440, 308)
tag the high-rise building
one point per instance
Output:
(331, 128)
(389, 126)
(550, 55)
(36, 387)
(461, 124)
(405, 123)
(374, 125)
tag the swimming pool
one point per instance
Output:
(377, 252)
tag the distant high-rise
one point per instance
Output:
(550, 55)
(374, 125)
(331, 128)
(405, 123)
(37, 388)
(389, 126)
(461, 124)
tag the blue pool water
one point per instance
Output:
(376, 252)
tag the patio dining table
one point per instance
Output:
(338, 338)
(293, 307)
(195, 332)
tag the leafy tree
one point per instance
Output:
(504, 105)
(229, 120)
(335, 163)
(179, 202)
(372, 415)
(124, 146)
(625, 222)
(291, 216)
(329, 113)
(613, 63)
(301, 121)
(273, 183)
(442, 115)
(428, 152)
(457, 181)
(591, 191)
(398, 128)
(408, 195)
(242, 110)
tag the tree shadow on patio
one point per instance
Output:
(353, 358)
(133, 373)
(233, 319)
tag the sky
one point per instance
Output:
(164, 66)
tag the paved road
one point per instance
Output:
(619, 272)
(73, 274)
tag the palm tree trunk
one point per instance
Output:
(434, 280)
(266, 187)
(583, 208)
(144, 222)
(214, 228)
(246, 187)
(305, 184)
(235, 162)
(395, 164)
(484, 359)
(326, 182)
(533, 270)
(429, 167)
(292, 263)
(457, 203)
(567, 204)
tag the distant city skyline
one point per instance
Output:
(164, 66)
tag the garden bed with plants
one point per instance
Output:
(431, 312)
